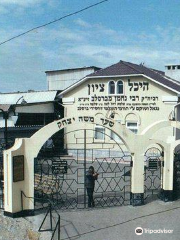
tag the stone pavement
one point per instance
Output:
(115, 223)
(119, 223)
(20, 229)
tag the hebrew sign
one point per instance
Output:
(137, 98)
(18, 168)
(59, 167)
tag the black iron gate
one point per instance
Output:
(2, 148)
(61, 179)
(1, 184)
(176, 178)
(153, 169)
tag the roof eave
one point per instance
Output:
(129, 75)
(91, 77)
(173, 90)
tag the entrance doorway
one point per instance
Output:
(60, 178)
(153, 173)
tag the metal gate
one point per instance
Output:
(1, 184)
(61, 179)
(153, 172)
(176, 177)
(2, 148)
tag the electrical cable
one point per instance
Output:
(51, 22)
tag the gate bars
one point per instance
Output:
(153, 173)
(62, 178)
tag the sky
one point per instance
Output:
(131, 30)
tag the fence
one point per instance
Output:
(54, 221)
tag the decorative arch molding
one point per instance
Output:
(118, 116)
(151, 129)
(136, 115)
(175, 144)
(46, 132)
(99, 114)
(160, 143)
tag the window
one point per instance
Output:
(111, 87)
(173, 67)
(133, 126)
(99, 133)
(120, 87)
(169, 67)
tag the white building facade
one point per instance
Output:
(131, 94)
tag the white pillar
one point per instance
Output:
(137, 178)
(168, 172)
(12, 190)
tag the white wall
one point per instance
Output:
(150, 105)
(59, 80)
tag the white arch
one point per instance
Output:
(41, 136)
(151, 129)
(29, 147)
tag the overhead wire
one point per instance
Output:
(54, 21)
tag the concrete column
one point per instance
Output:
(8, 182)
(137, 179)
(13, 206)
(168, 170)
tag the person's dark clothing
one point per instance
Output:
(90, 192)
(90, 184)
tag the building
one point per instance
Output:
(61, 79)
(27, 112)
(134, 95)
(173, 71)
(123, 120)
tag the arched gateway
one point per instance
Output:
(19, 165)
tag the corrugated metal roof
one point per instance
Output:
(73, 69)
(29, 97)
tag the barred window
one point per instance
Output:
(120, 88)
(111, 87)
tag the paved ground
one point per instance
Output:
(119, 223)
(116, 223)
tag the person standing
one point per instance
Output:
(91, 177)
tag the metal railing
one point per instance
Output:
(50, 209)
(1, 194)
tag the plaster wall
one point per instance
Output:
(144, 104)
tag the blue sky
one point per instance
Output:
(131, 30)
